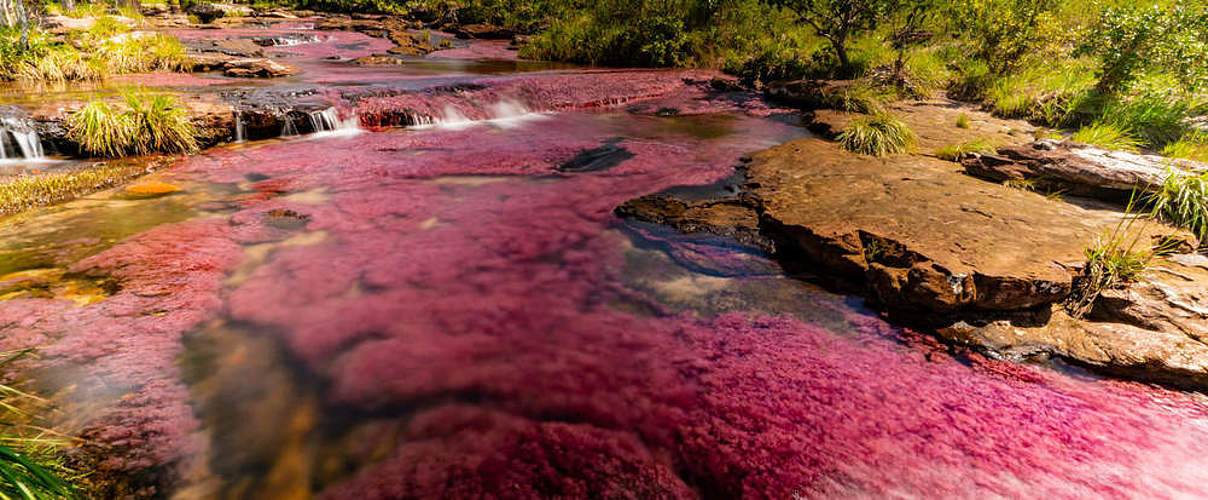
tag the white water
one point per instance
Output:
(19, 142)
(504, 114)
(240, 133)
(327, 123)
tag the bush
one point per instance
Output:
(146, 123)
(878, 135)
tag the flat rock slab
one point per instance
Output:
(1078, 169)
(927, 236)
(257, 68)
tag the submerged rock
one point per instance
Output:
(257, 68)
(149, 189)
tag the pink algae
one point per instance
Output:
(465, 287)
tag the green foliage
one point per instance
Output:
(1132, 39)
(143, 123)
(1182, 200)
(1192, 146)
(1002, 32)
(25, 474)
(880, 134)
(107, 48)
(958, 152)
(1108, 136)
(962, 121)
(1118, 256)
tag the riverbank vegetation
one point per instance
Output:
(108, 47)
(1130, 73)
(141, 123)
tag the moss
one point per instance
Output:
(29, 191)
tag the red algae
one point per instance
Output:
(480, 49)
(458, 284)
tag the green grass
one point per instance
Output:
(1192, 146)
(962, 121)
(1118, 256)
(28, 461)
(880, 134)
(105, 49)
(142, 123)
(1182, 200)
(1108, 136)
(958, 152)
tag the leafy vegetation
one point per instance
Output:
(28, 460)
(28, 191)
(957, 152)
(142, 123)
(880, 134)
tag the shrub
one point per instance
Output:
(1108, 136)
(1182, 200)
(145, 123)
(957, 152)
(878, 135)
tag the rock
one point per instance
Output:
(208, 11)
(209, 61)
(1077, 169)
(154, 9)
(1119, 349)
(809, 94)
(1171, 297)
(483, 31)
(257, 68)
(149, 189)
(378, 60)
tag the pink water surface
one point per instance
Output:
(465, 288)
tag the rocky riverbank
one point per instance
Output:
(984, 264)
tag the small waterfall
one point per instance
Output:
(505, 113)
(240, 131)
(287, 40)
(287, 128)
(19, 141)
(328, 122)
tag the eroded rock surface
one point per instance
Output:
(1078, 168)
(984, 264)
(257, 68)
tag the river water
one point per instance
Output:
(450, 309)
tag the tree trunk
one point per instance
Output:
(23, 17)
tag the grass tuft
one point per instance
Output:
(880, 134)
(1118, 256)
(143, 123)
(1108, 136)
(958, 152)
(962, 121)
(1182, 200)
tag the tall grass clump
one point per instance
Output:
(1182, 200)
(142, 123)
(1117, 256)
(28, 468)
(958, 152)
(880, 134)
(1192, 146)
(1107, 135)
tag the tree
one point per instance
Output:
(838, 21)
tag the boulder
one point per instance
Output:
(483, 32)
(257, 68)
(209, 11)
(808, 94)
(1077, 169)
